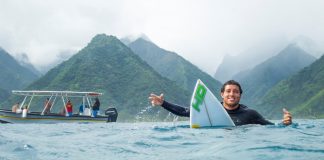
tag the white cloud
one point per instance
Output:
(200, 31)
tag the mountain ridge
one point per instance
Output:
(172, 66)
(13, 75)
(302, 93)
(106, 65)
(257, 81)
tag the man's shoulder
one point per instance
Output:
(244, 107)
(247, 109)
(250, 111)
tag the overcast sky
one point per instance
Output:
(202, 31)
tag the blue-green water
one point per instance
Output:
(161, 140)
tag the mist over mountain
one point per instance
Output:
(173, 66)
(23, 60)
(106, 65)
(231, 65)
(257, 81)
(13, 75)
(61, 57)
(309, 46)
(302, 93)
(131, 38)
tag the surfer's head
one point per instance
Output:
(231, 82)
(231, 94)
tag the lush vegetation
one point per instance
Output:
(302, 93)
(106, 65)
(126, 77)
(259, 80)
(4, 94)
(13, 75)
(173, 66)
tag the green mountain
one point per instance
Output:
(106, 65)
(249, 58)
(173, 66)
(302, 94)
(260, 52)
(4, 94)
(257, 81)
(13, 75)
(24, 61)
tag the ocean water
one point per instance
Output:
(161, 140)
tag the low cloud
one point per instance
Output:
(200, 31)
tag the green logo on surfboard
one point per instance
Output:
(199, 97)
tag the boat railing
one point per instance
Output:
(65, 95)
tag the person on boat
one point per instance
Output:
(95, 107)
(47, 106)
(62, 111)
(69, 108)
(15, 107)
(81, 110)
(231, 93)
(25, 111)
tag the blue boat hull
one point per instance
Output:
(7, 116)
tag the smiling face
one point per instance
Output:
(231, 96)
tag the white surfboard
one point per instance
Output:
(206, 110)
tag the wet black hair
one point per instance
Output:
(231, 82)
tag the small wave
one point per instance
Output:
(278, 148)
(125, 150)
(163, 129)
(168, 128)
(281, 125)
(142, 144)
(182, 126)
(310, 126)
(24, 148)
(145, 145)
(84, 123)
(27, 147)
(190, 143)
(310, 134)
(169, 138)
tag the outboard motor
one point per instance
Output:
(112, 114)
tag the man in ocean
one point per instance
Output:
(231, 93)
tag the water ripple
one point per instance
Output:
(168, 138)
(278, 148)
(311, 134)
(145, 144)
(163, 129)
(161, 140)
(190, 143)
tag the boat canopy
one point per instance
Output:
(56, 93)
(86, 97)
(21, 112)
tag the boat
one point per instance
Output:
(23, 112)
